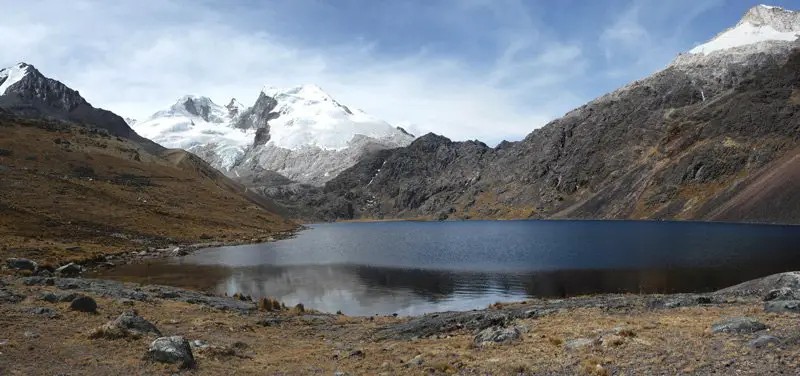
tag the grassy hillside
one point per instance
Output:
(65, 186)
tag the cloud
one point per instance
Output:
(467, 69)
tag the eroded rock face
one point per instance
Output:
(171, 350)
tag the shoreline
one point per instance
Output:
(594, 335)
(672, 220)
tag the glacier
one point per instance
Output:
(299, 132)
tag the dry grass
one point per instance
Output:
(660, 342)
(64, 187)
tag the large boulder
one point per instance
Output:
(84, 304)
(171, 350)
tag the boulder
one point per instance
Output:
(44, 311)
(790, 306)
(783, 293)
(38, 281)
(578, 343)
(70, 270)
(84, 304)
(171, 350)
(497, 335)
(22, 264)
(741, 325)
(128, 325)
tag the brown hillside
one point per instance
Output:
(64, 186)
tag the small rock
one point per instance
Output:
(340, 373)
(178, 252)
(611, 340)
(49, 297)
(199, 344)
(742, 325)
(783, 293)
(49, 312)
(22, 264)
(763, 341)
(29, 334)
(356, 354)
(703, 300)
(172, 350)
(44, 273)
(84, 304)
(38, 281)
(417, 360)
(269, 322)
(497, 335)
(578, 343)
(128, 325)
(790, 306)
(70, 270)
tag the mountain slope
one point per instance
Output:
(78, 183)
(64, 186)
(301, 133)
(677, 144)
(26, 92)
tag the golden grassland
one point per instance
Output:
(70, 194)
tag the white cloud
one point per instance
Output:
(135, 58)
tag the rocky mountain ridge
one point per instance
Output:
(25, 91)
(685, 143)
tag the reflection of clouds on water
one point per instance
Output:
(412, 268)
(363, 290)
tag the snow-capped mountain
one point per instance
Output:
(11, 75)
(760, 24)
(300, 132)
(24, 91)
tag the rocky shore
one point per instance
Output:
(77, 326)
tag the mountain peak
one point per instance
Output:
(198, 106)
(780, 19)
(13, 74)
(235, 108)
(306, 91)
(761, 23)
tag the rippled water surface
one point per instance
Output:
(418, 267)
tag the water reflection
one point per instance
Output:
(411, 268)
(367, 290)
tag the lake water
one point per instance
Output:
(419, 267)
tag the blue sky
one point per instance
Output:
(467, 69)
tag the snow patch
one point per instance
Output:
(760, 24)
(310, 117)
(12, 75)
(743, 35)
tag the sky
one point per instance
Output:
(489, 70)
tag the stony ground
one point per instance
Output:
(41, 334)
